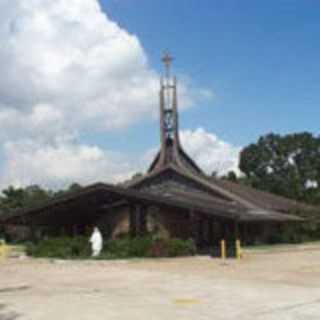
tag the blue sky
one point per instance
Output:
(260, 58)
(78, 102)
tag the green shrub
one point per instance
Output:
(127, 247)
(172, 248)
(124, 248)
(148, 247)
(298, 233)
(63, 248)
(159, 248)
(178, 247)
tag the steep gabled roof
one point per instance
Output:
(245, 196)
(200, 180)
(181, 159)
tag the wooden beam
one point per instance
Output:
(115, 204)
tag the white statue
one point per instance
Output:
(96, 241)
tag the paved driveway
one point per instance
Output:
(271, 285)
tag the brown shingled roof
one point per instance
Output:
(245, 196)
(183, 200)
(263, 199)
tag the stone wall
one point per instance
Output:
(115, 222)
(165, 224)
(161, 222)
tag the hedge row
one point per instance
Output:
(79, 248)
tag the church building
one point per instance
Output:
(174, 198)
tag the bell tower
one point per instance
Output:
(171, 152)
(168, 109)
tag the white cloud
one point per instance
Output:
(71, 56)
(56, 166)
(210, 152)
(67, 67)
(64, 161)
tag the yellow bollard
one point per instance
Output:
(223, 249)
(238, 249)
(4, 250)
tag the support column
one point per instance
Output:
(236, 230)
(210, 232)
(137, 220)
(143, 220)
(195, 227)
(225, 231)
(132, 221)
(74, 230)
(244, 233)
(33, 232)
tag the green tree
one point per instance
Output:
(287, 165)
(13, 198)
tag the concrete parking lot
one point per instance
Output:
(272, 284)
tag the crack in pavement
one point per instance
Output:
(286, 308)
(14, 289)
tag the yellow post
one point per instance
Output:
(3, 250)
(223, 249)
(238, 249)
